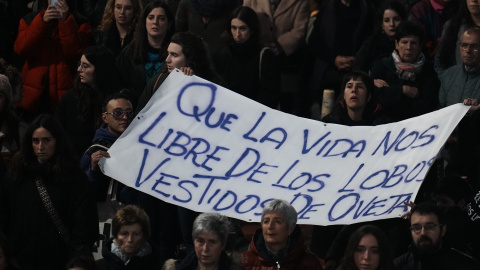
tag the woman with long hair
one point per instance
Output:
(189, 53)
(49, 210)
(119, 22)
(247, 67)
(382, 41)
(407, 84)
(143, 58)
(79, 109)
(358, 104)
(367, 248)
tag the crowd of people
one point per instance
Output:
(73, 74)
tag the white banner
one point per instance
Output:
(206, 148)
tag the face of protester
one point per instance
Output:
(390, 22)
(130, 239)
(469, 49)
(86, 72)
(175, 58)
(123, 11)
(473, 6)
(356, 95)
(157, 23)
(275, 231)
(427, 232)
(367, 256)
(240, 31)
(208, 248)
(408, 48)
(118, 116)
(43, 144)
(17, 98)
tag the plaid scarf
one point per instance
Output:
(408, 71)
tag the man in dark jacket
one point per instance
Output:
(428, 252)
(117, 116)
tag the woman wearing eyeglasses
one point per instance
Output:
(79, 110)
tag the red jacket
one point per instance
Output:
(257, 257)
(51, 52)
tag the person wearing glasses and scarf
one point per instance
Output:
(79, 109)
(407, 84)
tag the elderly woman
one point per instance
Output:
(129, 247)
(358, 104)
(408, 85)
(210, 231)
(367, 249)
(279, 243)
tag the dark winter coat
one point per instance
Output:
(51, 52)
(258, 258)
(444, 259)
(36, 241)
(111, 261)
(396, 104)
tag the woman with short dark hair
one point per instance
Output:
(367, 248)
(79, 110)
(358, 104)
(407, 84)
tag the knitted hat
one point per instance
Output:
(6, 88)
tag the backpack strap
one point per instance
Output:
(260, 62)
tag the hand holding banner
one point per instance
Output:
(203, 147)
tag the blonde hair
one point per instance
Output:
(109, 15)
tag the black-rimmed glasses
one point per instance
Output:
(416, 228)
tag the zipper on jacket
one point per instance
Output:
(278, 265)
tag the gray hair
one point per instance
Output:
(283, 208)
(212, 223)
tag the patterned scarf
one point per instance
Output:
(408, 71)
(145, 250)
